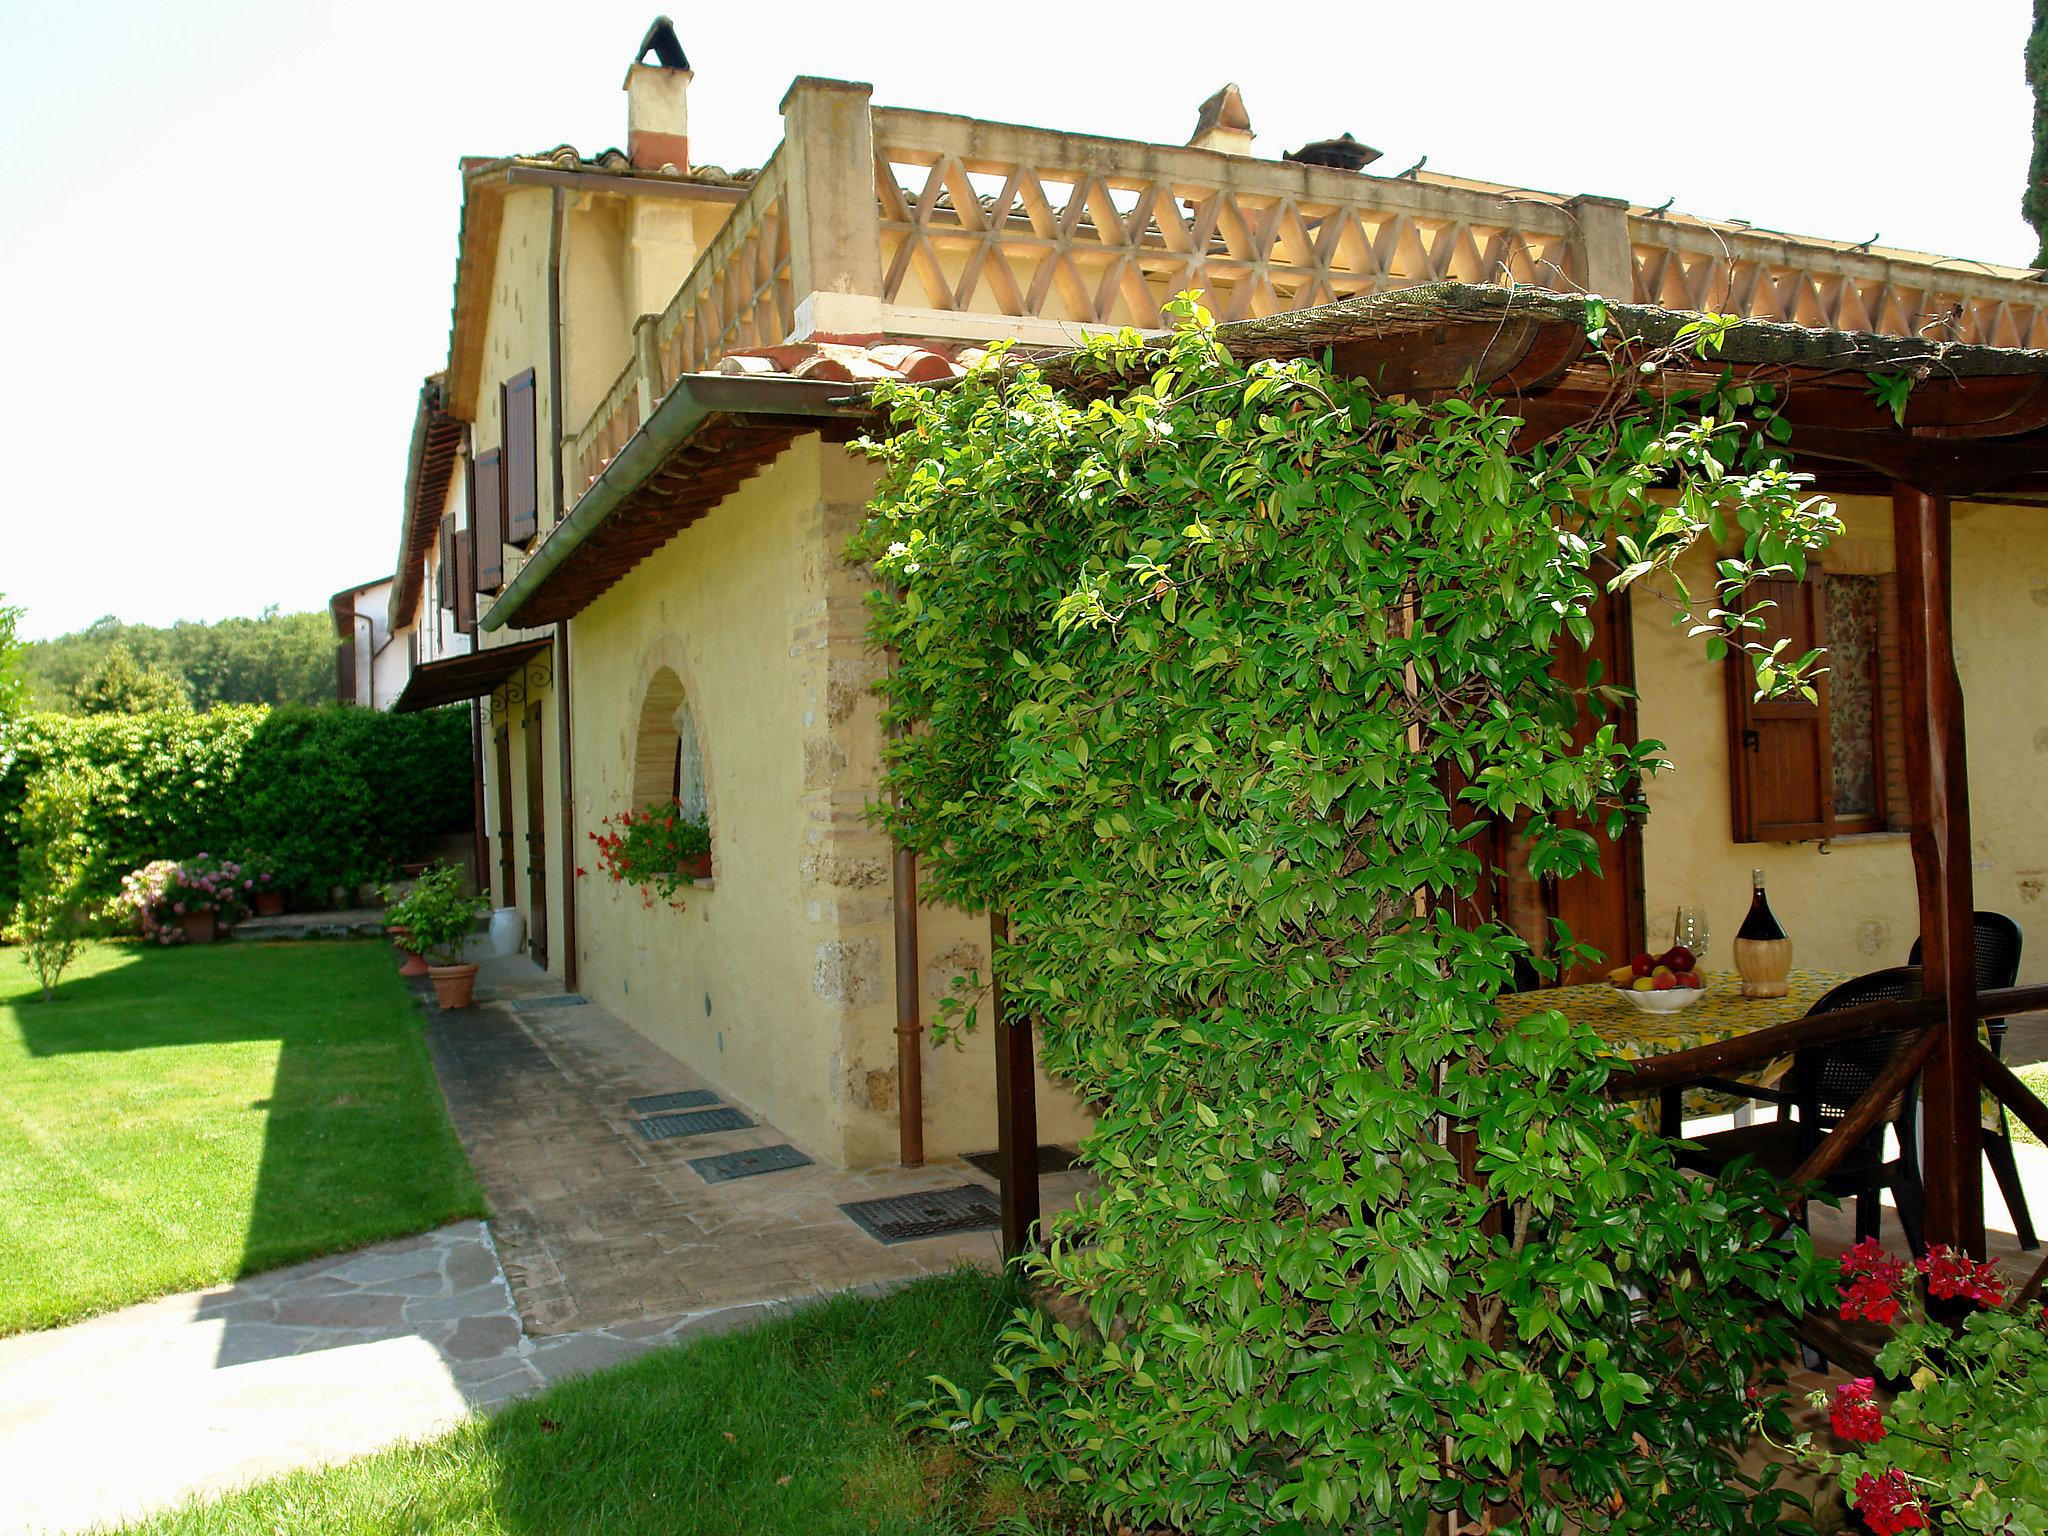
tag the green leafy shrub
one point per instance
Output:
(1207, 675)
(58, 862)
(334, 796)
(437, 914)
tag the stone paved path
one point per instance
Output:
(599, 1227)
(125, 1413)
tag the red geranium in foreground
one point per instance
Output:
(1888, 1503)
(1854, 1416)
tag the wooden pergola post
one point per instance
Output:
(1937, 773)
(1016, 1105)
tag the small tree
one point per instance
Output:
(13, 690)
(58, 863)
(121, 685)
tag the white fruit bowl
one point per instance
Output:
(1670, 1000)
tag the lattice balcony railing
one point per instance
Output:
(738, 294)
(989, 219)
(1686, 264)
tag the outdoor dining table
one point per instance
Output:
(1724, 1012)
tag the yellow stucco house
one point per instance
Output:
(628, 493)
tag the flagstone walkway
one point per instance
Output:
(108, 1419)
(599, 1226)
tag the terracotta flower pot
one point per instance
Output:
(270, 903)
(200, 927)
(453, 984)
(698, 867)
(411, 962)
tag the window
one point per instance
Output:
(668, 764)
(1805, 769)
(521, 459)
(487, 517)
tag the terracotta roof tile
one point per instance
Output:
(850, 362)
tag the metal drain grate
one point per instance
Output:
(564, 1000)
(932, 1213)
(1051, 1159)
(689, 1098)
(744, 1165)
(702, 1122)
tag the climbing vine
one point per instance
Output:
(1209, 673)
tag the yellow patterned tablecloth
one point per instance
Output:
(1722, 1013)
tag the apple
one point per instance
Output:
(1663, 970)
(1691, 982)
(1642, 984)
(1679, 958)
(1663, 982)
(1644, 964)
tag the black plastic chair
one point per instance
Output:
(1822, 1086)
(1998, 942)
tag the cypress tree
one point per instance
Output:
(2034, 206)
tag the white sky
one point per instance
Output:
(227, 230)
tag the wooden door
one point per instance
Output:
(508, 886)
(1603, 909)
(536, 842)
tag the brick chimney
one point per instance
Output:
(658, 102)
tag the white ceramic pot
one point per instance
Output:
(508, 930)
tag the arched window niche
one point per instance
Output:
(668, 762)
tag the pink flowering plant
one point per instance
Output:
(164, 890)
(1965, 1446)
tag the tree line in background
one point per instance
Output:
(111, 668)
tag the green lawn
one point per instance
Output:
(786, 1430)
(2036, 1078)
(177, 1117)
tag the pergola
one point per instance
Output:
(1975, 423)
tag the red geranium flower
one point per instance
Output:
(1888, 1504)
(1874, 1280)
(1854, 1416)
(1955, 1274)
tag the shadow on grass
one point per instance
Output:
(152, 1121)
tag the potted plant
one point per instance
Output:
(263, 883)
(204, 895)
(437, 916)
(661, 850)
(142, 900)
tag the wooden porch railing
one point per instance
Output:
(1926, 1018)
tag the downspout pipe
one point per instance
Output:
(565, 744)
(909, 1009)
(909, 1022)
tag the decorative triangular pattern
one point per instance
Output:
(1077, 243)
(1687, 267)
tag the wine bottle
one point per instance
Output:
(1761, 923)
(1763, 955)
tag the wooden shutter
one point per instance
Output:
(465, 582)
(521, 459)
(487, 517)
(345, 669)
(445, 571)
(1779, 754)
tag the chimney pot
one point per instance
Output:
(658, 102)
(1221, 123)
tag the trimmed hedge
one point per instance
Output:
(336, 795)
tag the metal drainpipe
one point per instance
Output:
(564, 745)
(909, 1010)
(909, 1027)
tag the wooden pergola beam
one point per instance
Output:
(1937, 776)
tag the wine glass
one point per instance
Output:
(1689, 927)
